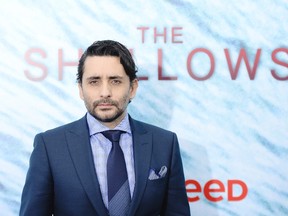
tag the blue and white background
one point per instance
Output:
(228, 129)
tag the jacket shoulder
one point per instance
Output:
(78, 124)
(139, 125)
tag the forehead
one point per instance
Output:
(103, 66)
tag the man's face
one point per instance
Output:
(106, 89)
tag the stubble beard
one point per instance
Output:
(106, 119)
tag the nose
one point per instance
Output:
(105, 90)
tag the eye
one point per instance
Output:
(116, 82)
(93, 82)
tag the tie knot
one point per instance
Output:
(113, 135)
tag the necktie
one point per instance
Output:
(117, 178)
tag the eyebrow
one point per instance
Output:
(115, 77)
(98, 77)
(93, 78)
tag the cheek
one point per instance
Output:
(123, 100)
(89, 94)
(87, 98)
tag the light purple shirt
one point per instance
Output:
(101, 147)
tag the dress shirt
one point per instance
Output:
(101, 147)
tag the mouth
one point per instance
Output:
(105, 105)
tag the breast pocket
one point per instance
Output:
(157, 182)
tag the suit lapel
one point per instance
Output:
(142, 143)
(80, 150)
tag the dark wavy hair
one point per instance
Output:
(109, 48)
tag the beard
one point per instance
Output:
(91, 108)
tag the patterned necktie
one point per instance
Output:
(117, 178)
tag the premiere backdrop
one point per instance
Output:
(215, 72)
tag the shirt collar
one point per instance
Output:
(96, 127)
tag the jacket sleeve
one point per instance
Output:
(37, 195)
(176, 202)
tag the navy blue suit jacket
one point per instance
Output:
(62, 180)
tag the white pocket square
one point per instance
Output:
(154, 174)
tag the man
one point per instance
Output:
(83, 169)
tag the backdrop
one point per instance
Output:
(215, 72)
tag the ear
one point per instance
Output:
(80, 91)
(133, 88)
